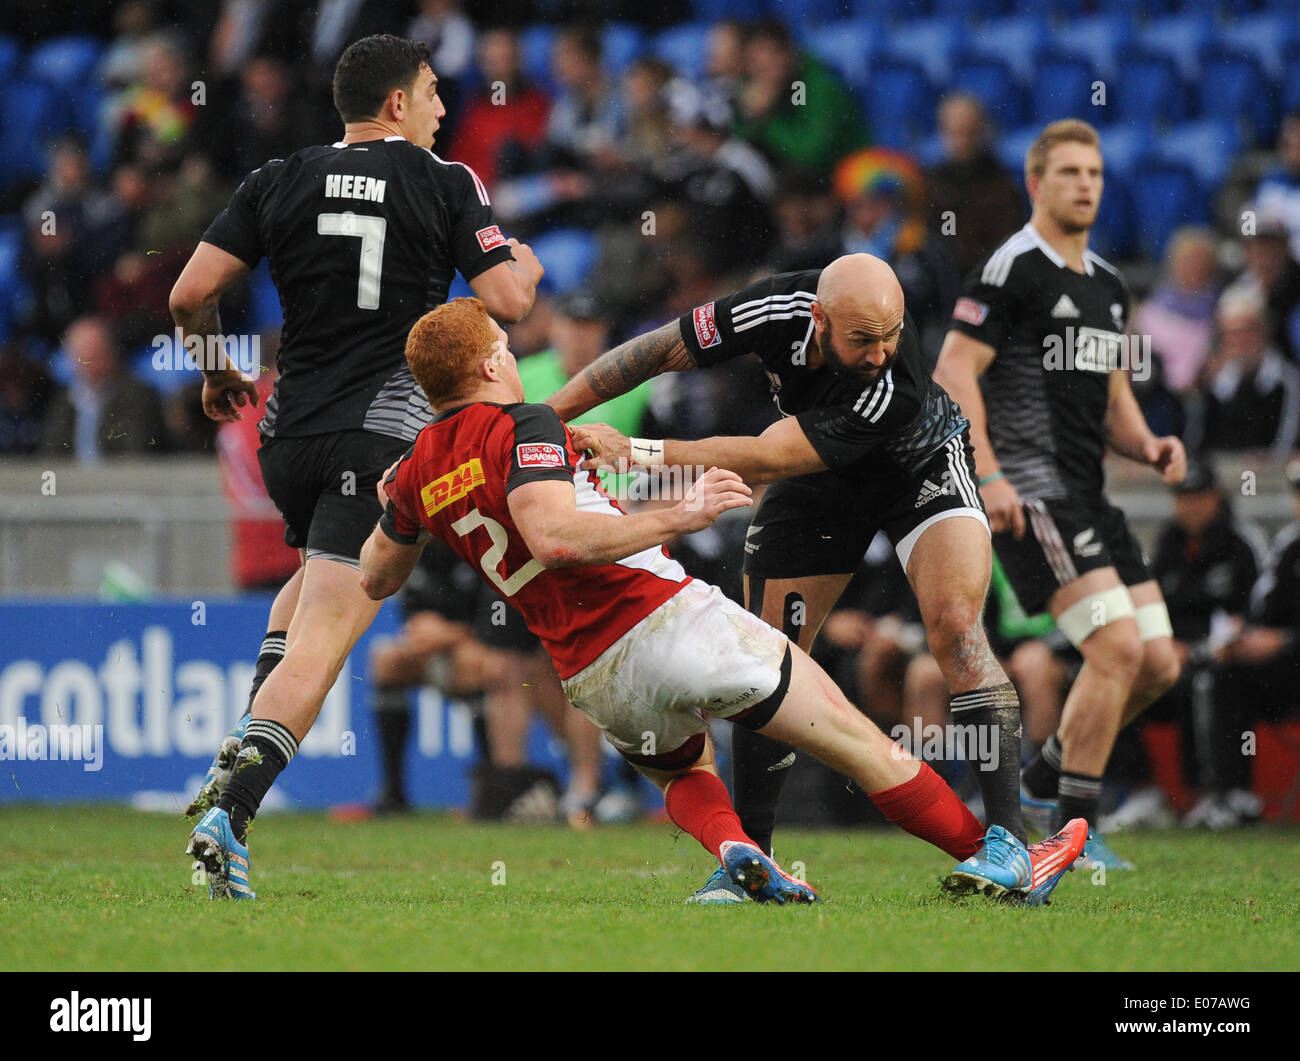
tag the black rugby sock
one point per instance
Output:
(993, 750)
(271, 652)
(267, 749)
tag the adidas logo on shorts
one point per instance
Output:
(929, 491)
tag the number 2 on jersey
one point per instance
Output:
(500, 541)
(370, 230)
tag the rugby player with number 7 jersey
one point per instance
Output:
(1038, 358)
(362, 237)
(646, 652)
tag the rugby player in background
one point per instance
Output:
(1036, 359)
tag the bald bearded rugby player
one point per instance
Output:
(866, 442)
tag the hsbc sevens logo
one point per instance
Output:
(455, 484)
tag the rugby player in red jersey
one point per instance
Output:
(646, 652)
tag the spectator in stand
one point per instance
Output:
(1261, 665)
(792, 106)
(648, 131)
(725, 184)
(506, 120)
(24, 395)
(1252, 392)
(269, 118)
(73, 231)
(1206, 562)
(158, 112)
(581, 176)
(806, 221)
(1273, 274)
(444, 27)
(973, 199)
(724, 61)
(1179, 313)
(134, 21)
(1279, 191)
(104, 412)
(587, 119)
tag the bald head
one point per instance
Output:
(859, 314)
(861, 290)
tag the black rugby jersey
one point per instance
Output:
(862, 430)
(362, 240)
(1058, 336)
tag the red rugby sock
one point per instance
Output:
(699, 803)
(928, 808)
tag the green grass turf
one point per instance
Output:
(105, 888)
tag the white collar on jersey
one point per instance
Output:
(1047, 249)
(387, 140)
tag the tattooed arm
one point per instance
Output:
(194, 304)
(622, 369)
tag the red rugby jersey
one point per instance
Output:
(454, 482)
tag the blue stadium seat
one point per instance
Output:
(978, 9)
(685, 47)
(568, 255)
(1012, 145)
(848, 47)
(535, 44)
(1182, 37)
(713, 10)
(11, 54)
(899, 103)
(620, 44)
(1166, 196)
(799, 13)
(65, 60)
(1207, 147)
(1149, 89)
(1114, 236)
(929, 152)
(71, 65)
(12, 288)
(1266, 35)
(1233, 87)
(991, 81)
(1098, 39)
(264, 309)
(459, 288)
(1016, 41)
(1290, 95)
(1122, 145)
(930, 43)
(30, 115)
(893, 10)
(1063, 88)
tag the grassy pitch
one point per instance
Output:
(105, 888)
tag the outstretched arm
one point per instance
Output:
(559, 535)
(782, 451)
(623, 369)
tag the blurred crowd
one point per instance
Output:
(647, 188)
